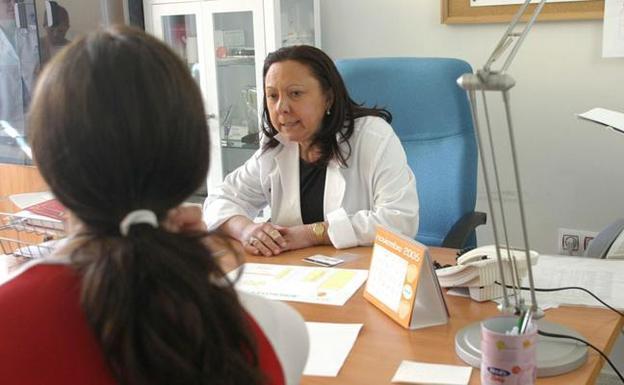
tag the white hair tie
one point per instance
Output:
(136, 217)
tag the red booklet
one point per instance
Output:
(50, 208)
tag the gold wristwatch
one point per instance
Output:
(318, 229)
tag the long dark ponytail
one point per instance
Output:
(118, 125)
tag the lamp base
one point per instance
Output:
(554, 355)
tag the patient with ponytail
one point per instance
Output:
(133, 296)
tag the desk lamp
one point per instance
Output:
(554, 356)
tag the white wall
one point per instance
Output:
(572, 171)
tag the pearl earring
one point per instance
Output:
(328, 112)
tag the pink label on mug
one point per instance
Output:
(507, 359)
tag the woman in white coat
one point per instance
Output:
(330, 169)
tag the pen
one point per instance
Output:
(527, 320)
(521, 320)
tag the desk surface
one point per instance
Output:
(383, 344)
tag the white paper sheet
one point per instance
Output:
(603, 277)
(28, 199)
(322, 285)
(330, 345)
(482, 3)
(609, 118)
(432, 374)
(613, 29)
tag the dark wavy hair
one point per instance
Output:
(337, 127)
(118, 125)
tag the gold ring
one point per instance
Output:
(274, 234)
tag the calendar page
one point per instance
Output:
(400, 272)
(387, 274)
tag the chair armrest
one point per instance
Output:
(463, 229)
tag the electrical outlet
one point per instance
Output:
(574, 242)
(586, 240)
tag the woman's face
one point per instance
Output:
(57, 33)
(295, 100)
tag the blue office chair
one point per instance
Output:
(431, 116)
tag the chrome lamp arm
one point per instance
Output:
(487, 79)
(553, 357)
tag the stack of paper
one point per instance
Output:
(478, 273)
(603, 277)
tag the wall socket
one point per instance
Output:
(574, 242)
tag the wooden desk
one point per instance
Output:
(16, 179)
(19, 179)
(383, 344)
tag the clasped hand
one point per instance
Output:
(257, 238)
(268, 239)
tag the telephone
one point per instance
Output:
(477, 271)
(609, 243)
(479, 267)
(489, 253)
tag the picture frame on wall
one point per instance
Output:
(462, 12)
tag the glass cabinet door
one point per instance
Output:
(299, 23)
(179, 25)
(234, 82)
(225, 43)
(19, 66)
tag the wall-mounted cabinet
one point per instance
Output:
(224, 43)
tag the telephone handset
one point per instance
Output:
(488, 253)
(609, 243)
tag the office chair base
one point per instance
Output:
(554, 355)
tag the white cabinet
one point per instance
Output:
(224, 43)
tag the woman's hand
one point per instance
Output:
(298, 237)
(185, 218)
(269, 239)
(290, 238)
(302, 236)
(264, 238)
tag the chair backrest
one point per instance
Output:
(431, 116)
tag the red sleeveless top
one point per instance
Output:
(45, 337)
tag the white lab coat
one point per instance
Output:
(19, 64)
(377, 188)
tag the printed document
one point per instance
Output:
(322, 285)
(603, 277)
